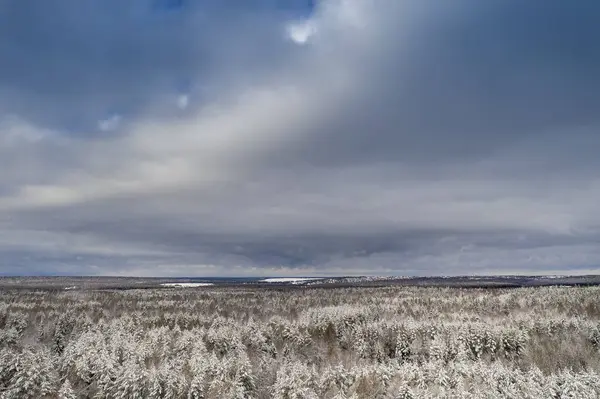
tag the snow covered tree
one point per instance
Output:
(66, 391)
(29, 374)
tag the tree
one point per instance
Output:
(66, 391)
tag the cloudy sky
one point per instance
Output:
(299, 137)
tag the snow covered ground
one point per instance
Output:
(291, 280)
(187, 285)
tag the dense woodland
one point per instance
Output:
(393, 342)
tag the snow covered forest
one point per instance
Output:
(293, 343)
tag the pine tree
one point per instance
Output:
(66, 391)
(32, 376)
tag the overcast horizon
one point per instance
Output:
(299, 137)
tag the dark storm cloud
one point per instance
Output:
(401, 138)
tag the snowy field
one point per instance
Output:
(291, 280)
(187, 285)
(212, 342)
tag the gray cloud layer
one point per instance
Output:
(404, 137)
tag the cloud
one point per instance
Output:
(183, 101)
(301, 32)
(406, 138)
(110, 123)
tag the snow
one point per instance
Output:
(292, 280)
(70, 288)
(187, 285)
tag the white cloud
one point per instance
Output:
(16, 131)
(183, 101)
(301, 32)
(111, 123)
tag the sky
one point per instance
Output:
(299, 137)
